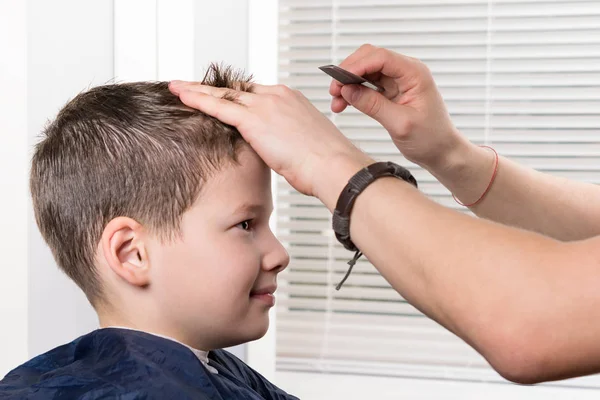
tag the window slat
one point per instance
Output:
(521, 75)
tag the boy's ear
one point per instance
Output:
(125, 252)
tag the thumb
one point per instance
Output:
(370, 102)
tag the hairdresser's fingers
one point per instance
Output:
(335, 89)
(398, 68)
(224, 110)
(228, 93)
(359, 53)
(177, 87)
(338, 104)
(242, 96)
(181, 85)
(396, 72)
(276, 90)
(224, 93)
(177, 83)
(264, 89)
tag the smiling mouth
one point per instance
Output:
(264, 295)
(265, 290)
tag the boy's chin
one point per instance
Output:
(261, 329)
(248, 331)
(256, 331)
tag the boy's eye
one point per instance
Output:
(245, 225)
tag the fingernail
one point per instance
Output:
(176, 83)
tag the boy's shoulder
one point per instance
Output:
(103, 364)
(110, 363)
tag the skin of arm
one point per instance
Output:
(525, 301)
(519, 196)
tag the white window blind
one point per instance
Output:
(522, 76)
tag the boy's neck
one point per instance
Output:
(107, 321)
(202, 354)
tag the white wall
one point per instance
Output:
(221, 33)
(70, 48)
(51, 50)
(13, 184)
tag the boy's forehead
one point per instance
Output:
(246, 182)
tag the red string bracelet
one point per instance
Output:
(487, 189)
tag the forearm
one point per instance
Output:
(522, 197)
(511, 294)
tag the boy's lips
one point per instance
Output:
(265, 295)
(264, 290)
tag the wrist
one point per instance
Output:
(335, 173)
(457, 162)
(466, 171)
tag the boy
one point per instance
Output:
(160, 214)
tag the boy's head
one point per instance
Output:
(159, 213)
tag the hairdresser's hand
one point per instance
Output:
(293, 138)
(411, 108)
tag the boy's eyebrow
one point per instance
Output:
(247, 208)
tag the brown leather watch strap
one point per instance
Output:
(355, 186)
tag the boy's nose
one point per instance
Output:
(277, 259)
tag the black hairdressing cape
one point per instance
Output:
(124, 364)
